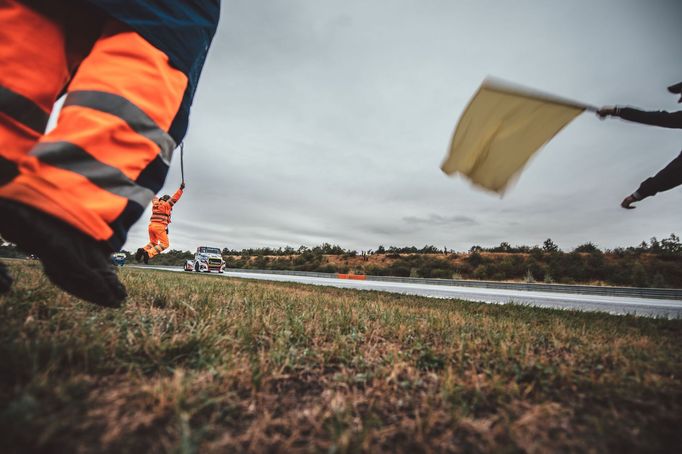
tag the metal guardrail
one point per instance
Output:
(656, 293)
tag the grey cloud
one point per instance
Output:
(439, 220)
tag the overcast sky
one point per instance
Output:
(327, 121)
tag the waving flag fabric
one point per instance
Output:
(501, 128)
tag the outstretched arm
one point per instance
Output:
(659, 118)
(669, 177)
(177, 195)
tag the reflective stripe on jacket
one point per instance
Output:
(161, 209)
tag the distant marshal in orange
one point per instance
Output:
(158, 225)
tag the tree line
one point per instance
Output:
(330, 249)
(653, 263)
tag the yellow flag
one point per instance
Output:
(501, 128)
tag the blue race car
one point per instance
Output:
(118, 259)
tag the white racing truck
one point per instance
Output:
(206, 259)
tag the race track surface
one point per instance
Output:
(612, 304)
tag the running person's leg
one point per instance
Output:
(33, 71)
(34, 68)
(159, 242)
(99, 168)
(143, 253)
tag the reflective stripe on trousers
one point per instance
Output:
(158, 239)
(109, 153)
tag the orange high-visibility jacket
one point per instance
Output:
(161, 209)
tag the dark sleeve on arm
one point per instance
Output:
(668, 178)
(660, 118)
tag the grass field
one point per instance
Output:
(196, 363)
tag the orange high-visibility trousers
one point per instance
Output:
(109, 153)
(158, 239)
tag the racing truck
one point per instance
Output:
(206, 259)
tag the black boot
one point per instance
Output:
(139, 254)
(72, 260)
(5, 279)
(145, 256)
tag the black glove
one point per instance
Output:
(182, 185)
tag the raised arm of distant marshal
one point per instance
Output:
(175, 197)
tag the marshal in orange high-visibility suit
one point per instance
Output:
(129, 70)
(158, 225)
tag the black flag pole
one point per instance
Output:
(182, 162)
